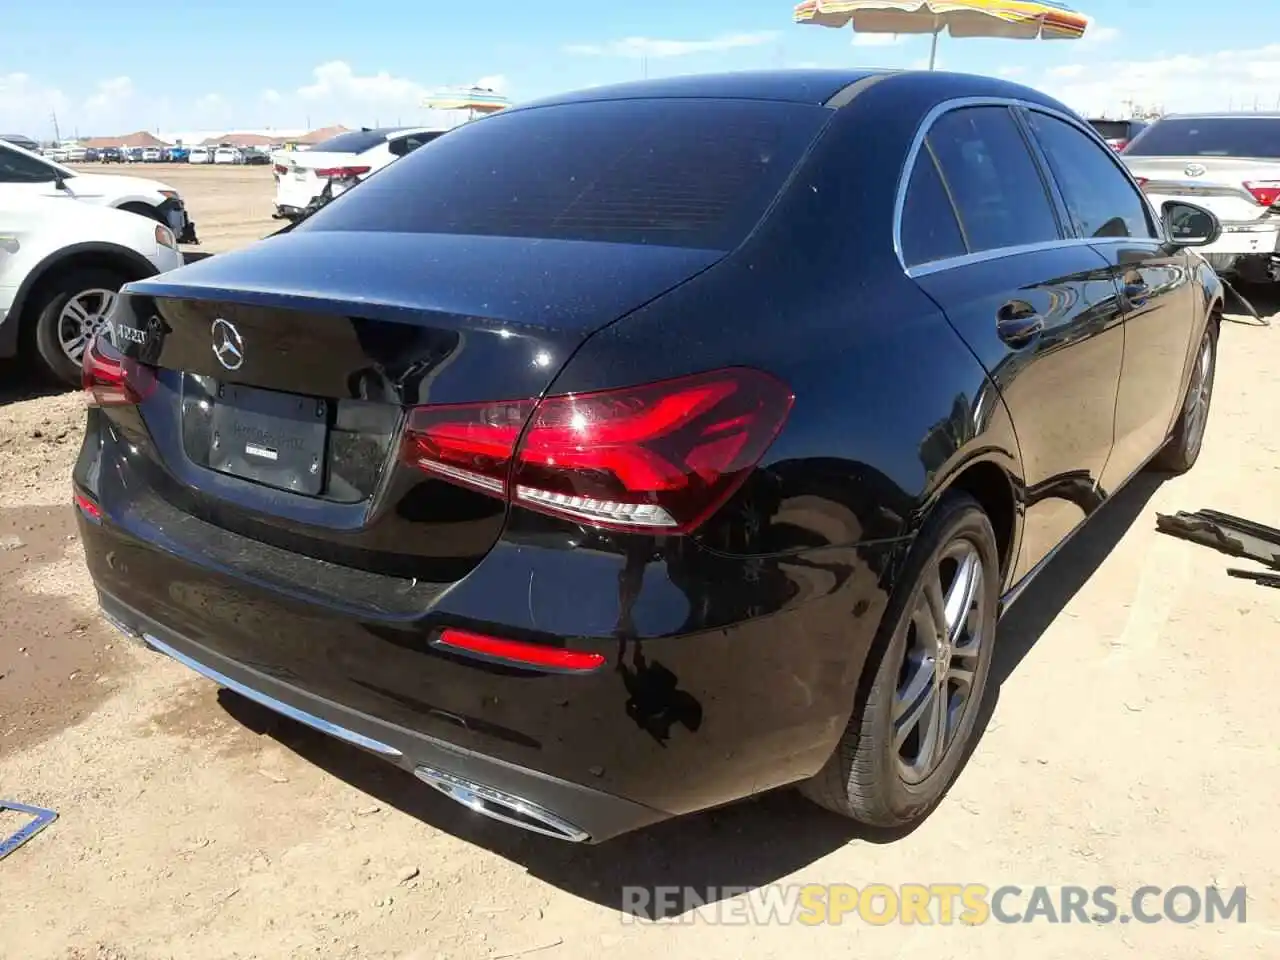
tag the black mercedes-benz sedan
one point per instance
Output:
(642, 449)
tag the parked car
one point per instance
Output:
(61, 268)
(1230, 164)
(332, 166)
(200, 155)
(111, 155)
(1118, 133)
(152, 155)
(76, 154)
(256, 157)
(92, 155)
(228, 155)
(133, 154)
(25, 142)
(27, 174)
(176, 155)
(636, 451)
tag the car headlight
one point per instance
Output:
(165, 237)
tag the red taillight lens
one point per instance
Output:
(341, 173)
(660, 457)
(1266, 192)
(1142, 181)
(518, 652)
(280, 169)
(112, 380)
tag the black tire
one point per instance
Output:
(1183, 449)
(47, 305)
(863, 778)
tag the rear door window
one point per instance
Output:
(994, 181)
(929, 230)
(1099, 197)
(676, 172)
(400, 146)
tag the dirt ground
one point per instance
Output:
(1131, 741)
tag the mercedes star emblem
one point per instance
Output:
(1194, 170)
(228, 346)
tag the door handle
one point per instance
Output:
(1136, 292)
(1017, 324)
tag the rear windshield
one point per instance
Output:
(1111, 129)
(689, 173)
(1210, 137)
(357, 141)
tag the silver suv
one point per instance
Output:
(1228, 163)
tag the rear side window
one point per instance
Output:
(1099, 197)
(1111, 129)
(357, 141)
(689, 173)
(995, 183)
(929, 230)
(1210, 137)
(404, 145)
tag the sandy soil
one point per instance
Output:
(1131, 740)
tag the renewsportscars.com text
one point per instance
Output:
(970, 904)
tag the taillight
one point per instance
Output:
(112, 380)
(1266, 192)
(280, 169)
(1142, 181)
(86, 505)
(661, 457)
(341, 173)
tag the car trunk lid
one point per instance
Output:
(1233, 189)
(282, 382)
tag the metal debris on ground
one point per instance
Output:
(40, 818)
(1234, 536)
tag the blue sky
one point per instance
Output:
(113, 66)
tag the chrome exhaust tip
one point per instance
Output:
(501, 806)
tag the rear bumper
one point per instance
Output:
(583, 814)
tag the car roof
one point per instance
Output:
(1224, 115)
(815, 87)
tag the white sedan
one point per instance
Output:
(304, 177)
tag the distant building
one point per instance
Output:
(139, 139)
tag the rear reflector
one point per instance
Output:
(1266, 192)
(110, 379)
(87, 506)
(519, 653)
(1142, 181)
(659, 458)
(280, 169)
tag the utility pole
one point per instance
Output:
(57, 134)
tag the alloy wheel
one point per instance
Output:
(940, 662)
(1198, 394)
(83, 317)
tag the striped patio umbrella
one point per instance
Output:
(475, 100)
(1014, 19)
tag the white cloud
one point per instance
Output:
(271, 96)
(1094, 33)
(1209, 81)
(876, 39)
(337, 81)
(495, 82)
(110, 94)
(27, 106)
(637, 48)
(1011, 71)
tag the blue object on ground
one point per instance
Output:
(41, 818)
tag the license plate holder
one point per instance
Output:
(276, 439)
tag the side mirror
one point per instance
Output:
(59, 182)
(1189, 225)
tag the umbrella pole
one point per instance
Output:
(933, 45)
